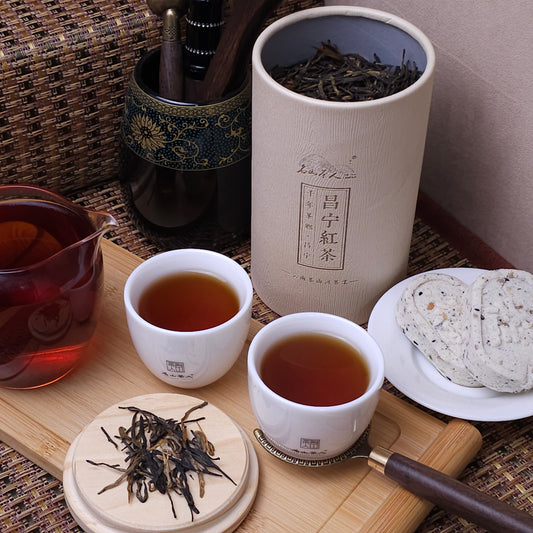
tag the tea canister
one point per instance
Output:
(334, 184)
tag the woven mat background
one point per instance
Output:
(65, 65)
(31, 500)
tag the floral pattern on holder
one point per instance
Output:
(187, 137)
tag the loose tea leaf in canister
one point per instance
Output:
(160, 456)
(331, 75)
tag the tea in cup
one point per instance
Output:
(188, 313)
(314, 381)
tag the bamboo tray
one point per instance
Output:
(42, 423)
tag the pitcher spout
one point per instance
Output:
(101, 221)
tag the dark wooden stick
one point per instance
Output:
(233, 50)
(456, 497)
(171, 62)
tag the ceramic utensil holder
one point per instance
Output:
(185, 164)
(334, 184)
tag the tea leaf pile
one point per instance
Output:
(160, 455)
(333, 76)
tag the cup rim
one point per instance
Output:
(370, 391)
(348, 11)
(137, 271)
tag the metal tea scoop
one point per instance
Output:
(425, 482)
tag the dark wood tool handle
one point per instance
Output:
(456, 497)
(171, 60)
(234, 47)
(170, 71)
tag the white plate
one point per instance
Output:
(411, 373)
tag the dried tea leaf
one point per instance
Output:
(160, 456)
(331, 75)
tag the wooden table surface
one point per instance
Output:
(31, 498)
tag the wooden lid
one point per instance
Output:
(223, 506)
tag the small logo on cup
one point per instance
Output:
(309, 444)
(176, 369)
(176, 366)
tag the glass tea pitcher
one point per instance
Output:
(51, 284)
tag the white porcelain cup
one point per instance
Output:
(189, 359)
(305, 431)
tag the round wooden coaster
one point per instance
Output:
(223, 506)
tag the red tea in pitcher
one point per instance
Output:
(51, 278)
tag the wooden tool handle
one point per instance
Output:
(456, 497)
(171, 62)
(234, 47)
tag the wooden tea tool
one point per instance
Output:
(425, 482)
(236, 41)
(204, 21)
(171, 61)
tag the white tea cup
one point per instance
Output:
(310, 431)
(189, 359)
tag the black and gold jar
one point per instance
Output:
(186, 167)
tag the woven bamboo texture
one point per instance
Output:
(32, 500)
(64, 68)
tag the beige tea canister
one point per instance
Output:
(334, 184)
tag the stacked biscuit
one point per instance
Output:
(477, 335)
